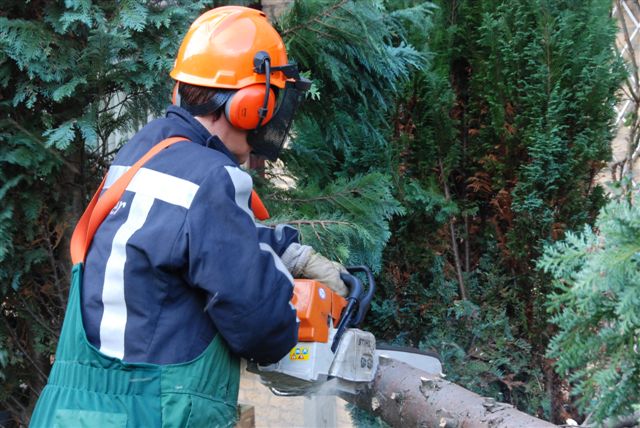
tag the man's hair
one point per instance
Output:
(195, 95)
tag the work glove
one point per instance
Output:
(304, 261)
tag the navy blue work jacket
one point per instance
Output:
(180, 258)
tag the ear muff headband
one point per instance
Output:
(214, 104)
(243, 109)
(246, 108)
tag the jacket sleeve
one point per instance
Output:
(279, 237)
(248, 287)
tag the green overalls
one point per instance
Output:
(89, 389)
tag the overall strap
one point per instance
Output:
(100, 206)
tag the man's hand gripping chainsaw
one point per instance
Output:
(330, 346)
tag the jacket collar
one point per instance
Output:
(196, 132)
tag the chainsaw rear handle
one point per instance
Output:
(364, 300)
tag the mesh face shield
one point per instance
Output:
(267, 140)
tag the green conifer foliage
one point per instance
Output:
(78, 76)
(497, 143)
(75, 78)
(339, 157)
(358, 56)
(596, 306)
(466, 136)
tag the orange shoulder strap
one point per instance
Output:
(100, 206)
(258, 208)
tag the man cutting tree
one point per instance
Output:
(173, 278)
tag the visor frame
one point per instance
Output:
(267, 141)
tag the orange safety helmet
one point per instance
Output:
(236, 49)
(219, 49)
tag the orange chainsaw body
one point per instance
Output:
(316, 304)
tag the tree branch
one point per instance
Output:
(632, 54)
(319, 222)
(329, 198)
(324, 14)
(454, 241)
(37, 318)
(40, 142)
(25, 353)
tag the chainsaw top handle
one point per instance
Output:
(357, 291)
(357, 301)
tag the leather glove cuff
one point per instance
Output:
(304, 261)
(296, 257)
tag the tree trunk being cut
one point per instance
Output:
(404, 396)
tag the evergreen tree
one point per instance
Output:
(498, 140)
(466, 141)
(596, 306)
(339, 159)
(79, 77)
(75, 78)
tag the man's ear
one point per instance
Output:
(213, 117)
(210, 118)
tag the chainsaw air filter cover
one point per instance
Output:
(317, 307)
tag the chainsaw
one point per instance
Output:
(332, 354)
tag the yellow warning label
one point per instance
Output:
(299, 353)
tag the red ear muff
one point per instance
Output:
(243, 108)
